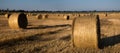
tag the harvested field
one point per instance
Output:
(54, 36)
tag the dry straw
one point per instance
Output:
(85, 32)
(18, 21)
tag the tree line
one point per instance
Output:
(44, 11)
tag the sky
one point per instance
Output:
(60, 5)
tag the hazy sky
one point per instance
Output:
(60, 4)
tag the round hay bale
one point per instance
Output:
(27, 15)
(39, 17)
(85, 32)
(42, 16)
(7, 15)
(106, 14)
(67, 17)
(45, 16)
(18, 21)
(58, 15)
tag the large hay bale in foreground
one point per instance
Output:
(85, 32)
(7, 15)
(18, 21)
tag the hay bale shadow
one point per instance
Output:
(110, 41)
(66, 38)
(46, 26)
(36, 37)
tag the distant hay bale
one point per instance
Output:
(103, 15)
(27, 15)
(85, 32)
(18, 21)
(66, 17)
(42, 16)
(106, 14)
(7, 15)
(39, 16)
(58, 15)
(45, 16)
(79, 15)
